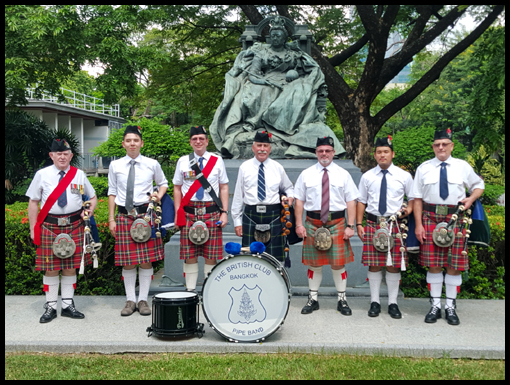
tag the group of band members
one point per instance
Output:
(325, 192)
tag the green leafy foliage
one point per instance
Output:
(100, 184)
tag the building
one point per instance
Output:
(85, 116)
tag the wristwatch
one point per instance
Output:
(351, 226)
(224, 211)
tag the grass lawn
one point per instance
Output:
(200, 366)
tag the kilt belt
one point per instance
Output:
(270, 216)
(340, 252)
(45, 259)
(213, 248)
(435, 256)
(129, 252)
(372, 257)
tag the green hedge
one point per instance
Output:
(20, 253)
(486, 275)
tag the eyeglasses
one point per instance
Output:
(438, 145)
(198, 139)
(324, 151)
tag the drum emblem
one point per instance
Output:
(246, 307)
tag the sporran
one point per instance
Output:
(63, 246)
(322, 239)
(262, 233)
(199, 233)
(140, 231)
(381, 240)
(443, 236)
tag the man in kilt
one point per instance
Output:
(193, 203)
(259, 183)
(439, 186)
(382, 191)
(65, 217)
(130, 188)
(326, 191)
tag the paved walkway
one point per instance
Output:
(481, 333)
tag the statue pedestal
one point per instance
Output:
(356, 272)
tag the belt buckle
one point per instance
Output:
(261, 209)
(133, 212)
(381, 218)
(63, 221)
(200, 210)
(442, 209)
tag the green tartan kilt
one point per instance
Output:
(275, 246)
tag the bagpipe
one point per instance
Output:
(160, 216)
(383, 240)
(90, 245)
(288, 229)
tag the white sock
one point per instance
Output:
(451, 283)
(314, 281)
(67, 290)
(374, 280)
(207, 269)
(435, 282)
(144, 278)
(393, 282)
(190, 275)
(129, 277)
(340, 279)
(50, 287)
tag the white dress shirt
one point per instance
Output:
(184, 175)
(398, 181)
(460, 176)
(246, 191)
(146, 171)
(342, 189)
(47, 179)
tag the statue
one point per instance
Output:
(275, 87)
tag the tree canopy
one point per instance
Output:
(183, 51)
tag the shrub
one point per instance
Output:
(20, 252)
(100, 184)
(491, 194)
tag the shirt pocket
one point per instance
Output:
(338, 185)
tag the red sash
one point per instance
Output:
(181, 216)
(61, 187)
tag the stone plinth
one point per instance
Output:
(356, 272)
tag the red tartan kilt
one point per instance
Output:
(47, 261)
(372, 257)
(213, 248)
(129, 252)
(435, 256)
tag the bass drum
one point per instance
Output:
(246, 297)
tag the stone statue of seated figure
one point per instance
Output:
(273, 87)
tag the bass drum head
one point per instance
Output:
(246, 297)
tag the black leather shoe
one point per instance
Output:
(451, 316)
(343, 308)
(375, 309)
(433, 315)
(310, 306)
(394, 311)
(71, 311)
(49, 315)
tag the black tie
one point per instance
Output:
(382, 196)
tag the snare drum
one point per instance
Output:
(246, 297)
(175, 314)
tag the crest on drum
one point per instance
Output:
(246, 307)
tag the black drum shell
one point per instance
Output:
(175, 317)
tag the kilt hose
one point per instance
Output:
(276, 244)
(129, 252)
(213, 248)
(372, 257)
(46, 260)
(340, 252)
(435, 256)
